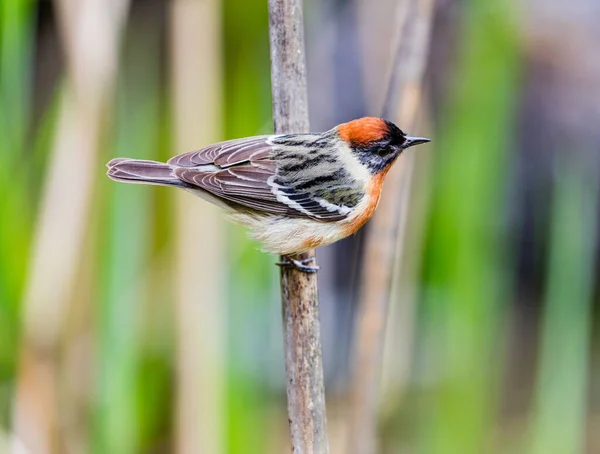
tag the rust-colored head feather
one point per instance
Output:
(364, 130)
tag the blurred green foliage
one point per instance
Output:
(467, 280)
(561, 401)
(247, 112)
(16, 207)
(124, 368)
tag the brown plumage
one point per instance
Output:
(294, 191)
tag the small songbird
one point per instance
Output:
(295, 192)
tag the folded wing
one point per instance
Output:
(243, 173)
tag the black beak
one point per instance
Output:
(412, 141)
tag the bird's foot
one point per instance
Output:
(301, 265)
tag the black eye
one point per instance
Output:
(391, 144)
(385, 150)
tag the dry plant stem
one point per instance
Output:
(386, 228)
(303, 361)
(196, 81)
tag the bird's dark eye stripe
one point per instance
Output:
(380, 147)
(384, 151)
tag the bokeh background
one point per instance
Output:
(134, 319)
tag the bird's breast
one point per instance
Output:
(365, 210)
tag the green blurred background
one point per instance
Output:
(134, 319)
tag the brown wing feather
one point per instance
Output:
(226, 153)
(251, 193)
(246, 178)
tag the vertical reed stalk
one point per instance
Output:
(196, 47)
(387, 227)
(303, 361)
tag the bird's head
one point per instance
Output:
(376, 142)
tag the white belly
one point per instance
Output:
(286, 236)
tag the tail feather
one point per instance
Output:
(142, 172)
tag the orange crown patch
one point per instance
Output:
(363, 130)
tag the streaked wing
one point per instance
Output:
(244, 184)
(243, 172)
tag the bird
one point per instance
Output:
(294, 192)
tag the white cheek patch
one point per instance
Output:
(352, 165)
